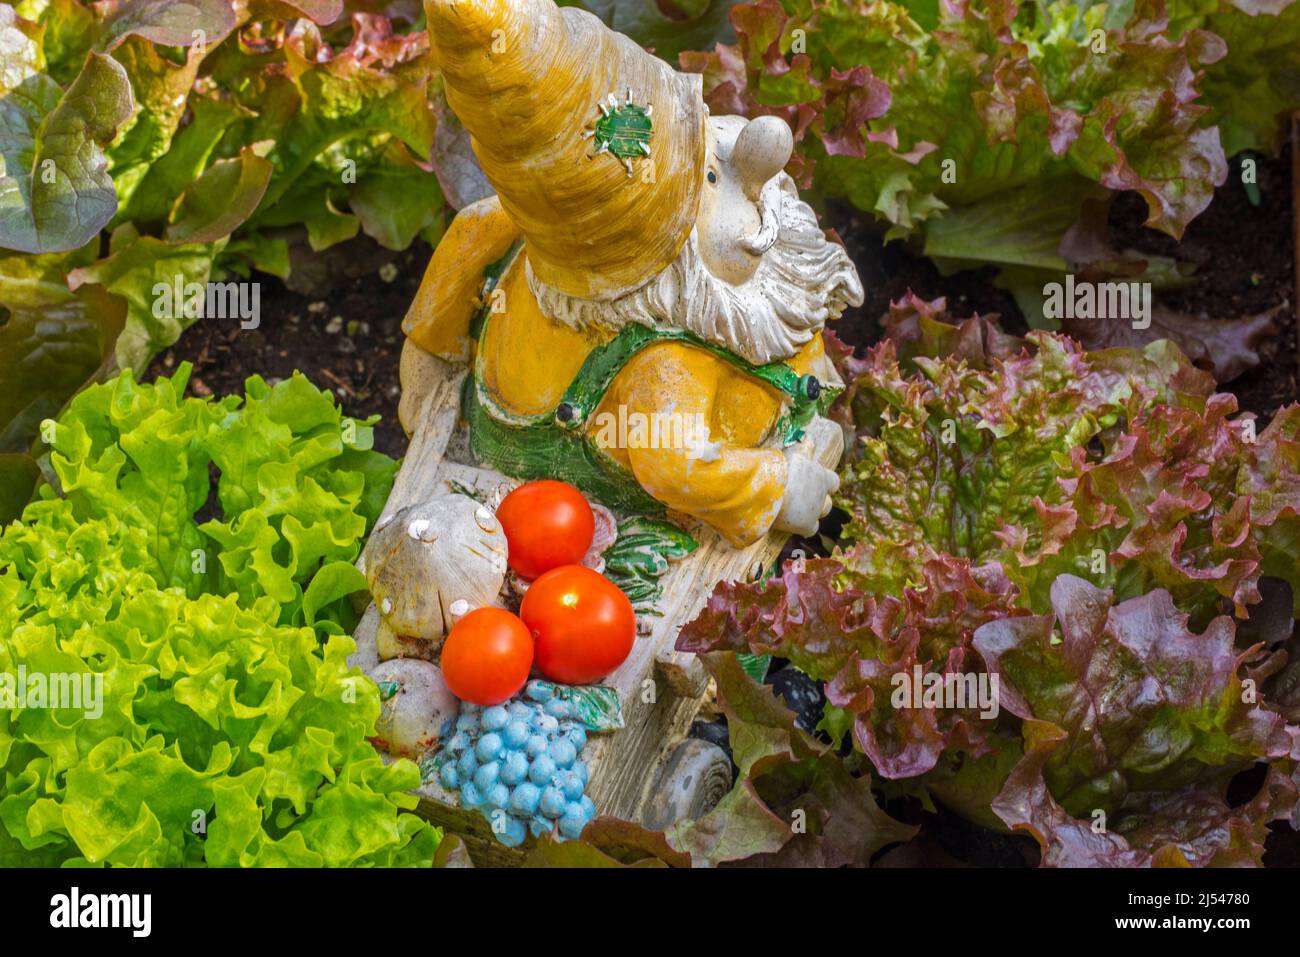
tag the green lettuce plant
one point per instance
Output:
(162, 142)
(231, 731)
(988, 131)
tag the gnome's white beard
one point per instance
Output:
(802, 280)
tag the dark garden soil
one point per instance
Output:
(1244, 258)
(338, 321)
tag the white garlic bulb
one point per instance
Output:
(427, 558)
(417, 707)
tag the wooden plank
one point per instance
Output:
(625, 764)
(417, 479)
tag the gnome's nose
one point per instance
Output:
(762, 149)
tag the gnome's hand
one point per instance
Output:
(807, 497)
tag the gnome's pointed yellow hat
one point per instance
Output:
(530, 81)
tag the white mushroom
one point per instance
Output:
(431, 556)
(417, 708)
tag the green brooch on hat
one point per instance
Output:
(623, 131)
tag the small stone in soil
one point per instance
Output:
(334, 326)
(715, 732)
(388, 272)
(200, 388)
(801, 694)
(317, 307)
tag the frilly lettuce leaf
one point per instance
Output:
(233, 731)
(986, 127)
(1144, 703)
(1004, 495)
(858, 643)
(1119, 466)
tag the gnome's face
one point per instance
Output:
(740, 201)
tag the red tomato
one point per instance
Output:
(487, 656)
(583, 626)
(547, 524)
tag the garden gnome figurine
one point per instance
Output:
(643, 298)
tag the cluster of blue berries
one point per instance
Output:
(518, 764)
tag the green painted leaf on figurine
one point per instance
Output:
(644, 549)
(596, 706)
(755, 665)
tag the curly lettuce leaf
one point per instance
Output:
(1004, 492)
(230, 730)
(1118, 466)
(961, 449)
(1144, 703)
(861, 645)
(299, 482)
(985, 126)
(309, 98)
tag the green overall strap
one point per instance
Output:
(806, 394)
(491, 277)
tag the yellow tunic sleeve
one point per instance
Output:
(731, 485)
(439, 318)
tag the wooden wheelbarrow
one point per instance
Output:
(648, 771)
